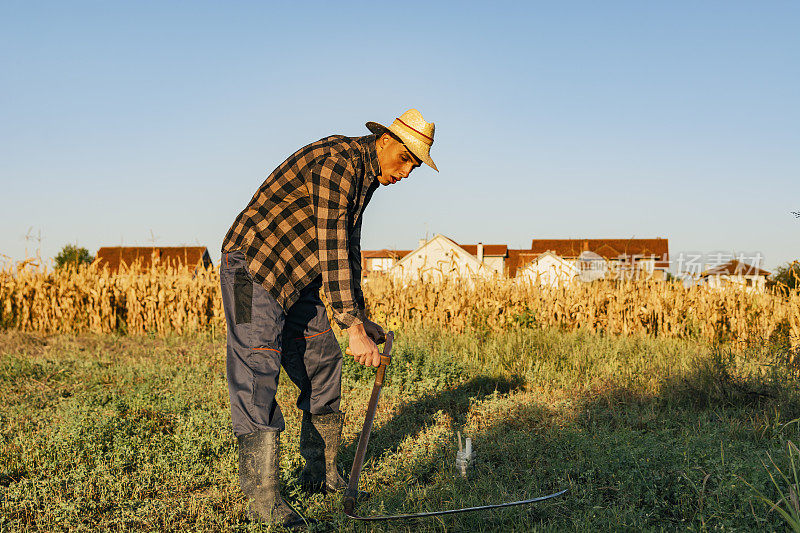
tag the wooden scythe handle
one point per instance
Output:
(358, 462)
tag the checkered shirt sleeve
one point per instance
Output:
(331, 188)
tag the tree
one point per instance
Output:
(787, 275)
(72, 255)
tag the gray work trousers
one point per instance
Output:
(262, 337)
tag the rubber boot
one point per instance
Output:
(259, 477)
(320, 436)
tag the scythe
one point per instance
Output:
(350, 494)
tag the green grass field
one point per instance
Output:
(115, 433)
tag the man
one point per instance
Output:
(301, 233)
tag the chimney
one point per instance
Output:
(422, 242)
(480, 252)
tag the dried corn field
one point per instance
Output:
(161, 300)
(666, 309)
(173, 300)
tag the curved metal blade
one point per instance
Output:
(453, 511)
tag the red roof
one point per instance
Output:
(394, 254)
(736, 268)
(488, 249)
(518, 259)
(607, 248)
(191, 256)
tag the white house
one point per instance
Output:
(378, 262)
(594, 258)
(592, 266)
(492, 256)
(624, 258)
(735, 273)
(548, 269)
(436, 259)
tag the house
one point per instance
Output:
(440, 258)
(594, 258)
(493, 257)
(592, 266)
(380, 261)
(115, 258)
(734, 273)
(548, 269)
(623, 258)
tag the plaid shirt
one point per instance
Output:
(305, 221)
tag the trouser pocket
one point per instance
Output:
(242, 296)
(265, 365)
(266, 331)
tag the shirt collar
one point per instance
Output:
(372, 165)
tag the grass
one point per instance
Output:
(120, 433)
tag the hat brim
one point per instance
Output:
(380, 129)
(377, 129)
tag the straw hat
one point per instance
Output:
(416, 134)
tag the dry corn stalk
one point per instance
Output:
(652, 307)
(165, 299)
(159, 300)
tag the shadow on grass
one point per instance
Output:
(631, 460)
(415, 415)
(426, 480)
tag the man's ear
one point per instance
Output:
(384, 139)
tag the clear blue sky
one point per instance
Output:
(554, 119)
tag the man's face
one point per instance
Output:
(395, 160)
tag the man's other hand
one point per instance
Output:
(375, 332)
(362, 347)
